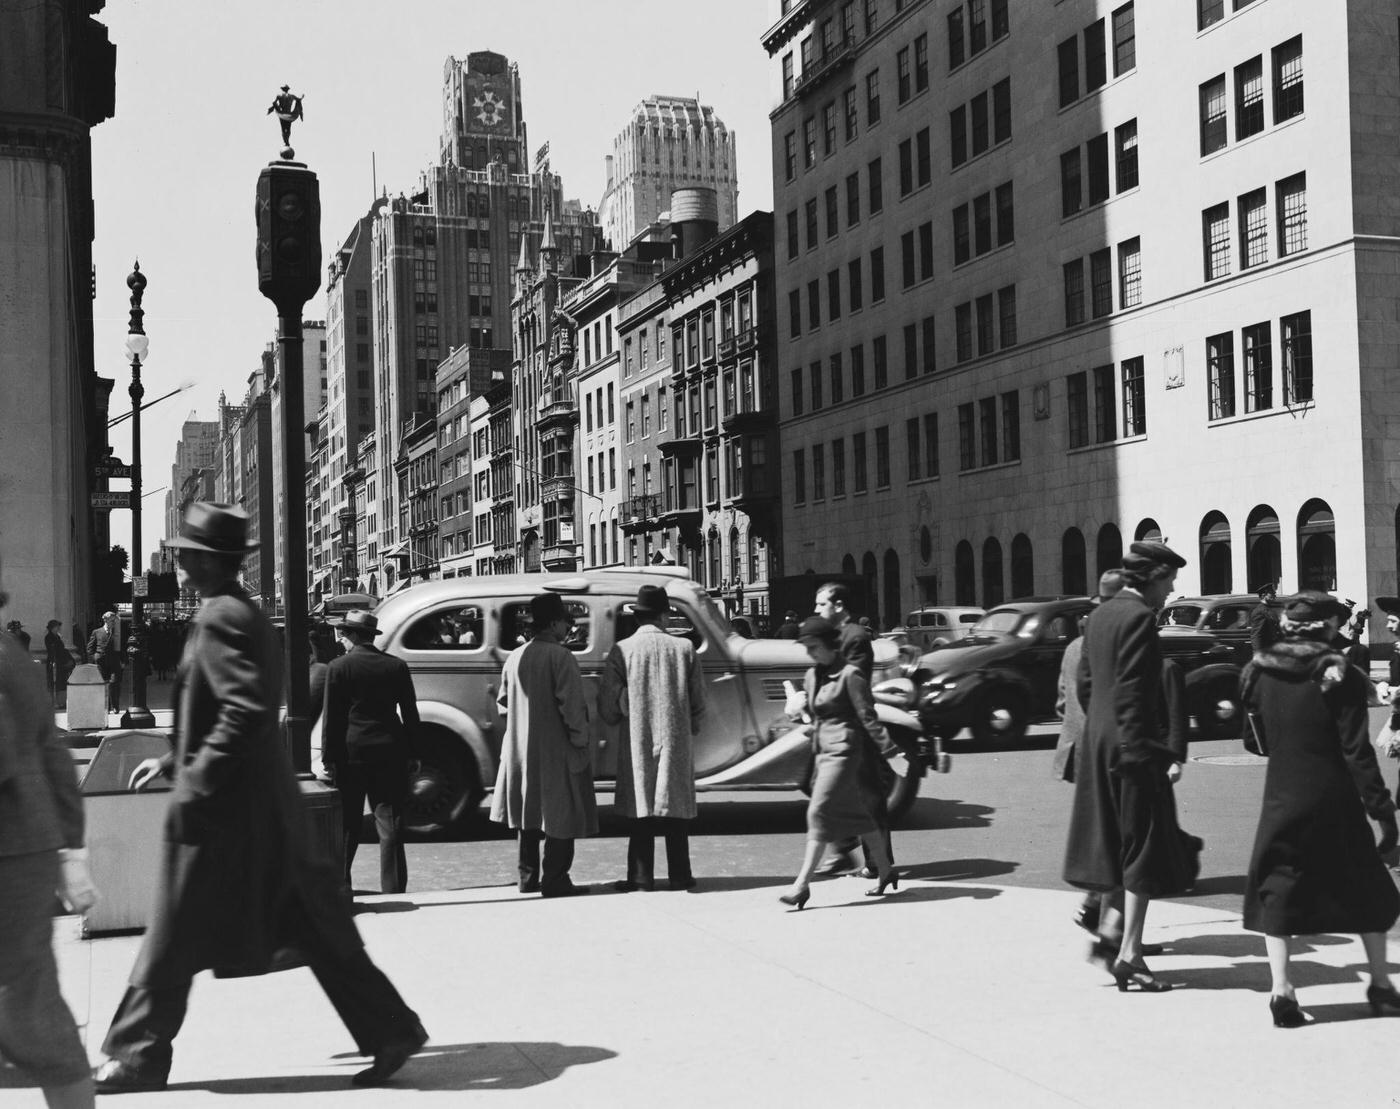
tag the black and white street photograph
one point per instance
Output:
(881, 512)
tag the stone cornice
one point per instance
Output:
(46, 136)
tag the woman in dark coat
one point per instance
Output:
(845, 788)
(1315, 867)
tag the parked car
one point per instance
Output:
(930, 628)
(455, 636)
(1222, 615)
(1002, 676)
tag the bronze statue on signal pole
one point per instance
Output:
(287, 105)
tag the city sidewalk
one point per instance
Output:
(946, 993)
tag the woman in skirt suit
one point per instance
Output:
(1316, 867)
(845, 789)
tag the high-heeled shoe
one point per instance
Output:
(1383, 999)
(1136, 975)
(797, 900)
(890, 878)
(1286, 1013)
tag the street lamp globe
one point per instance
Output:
(137, 345)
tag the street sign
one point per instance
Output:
(140, 585)
(110, 500)
(111, 467)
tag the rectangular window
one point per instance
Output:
(874, 186)
(1097, 154)
(1069, 71)
(799, 476)
(906, 167)
(796, 376)
(1125, 138)
(1071, 189)
(1001, 110)
(1249, 98)
(833, 208)
(861, 479)
(903, 75)
(1101, 282)
(923, 157)
(1134, 398)
(921, 63)
(814, 307)
(848, 105)
(814, 374)
(795, 313)
(931, 444)
(1288, 80)
(1220, 374)
(1215, 229)
(911, 351)
(982, 224)
(1095, 57)
(925, 251)
(838, 379)
(818, 472)
(793, 241)
(977, 25)
(986, 325)
(810, 208)
(829, 127)
(1006, 315)
(1254, 228)
(1074, 292)
(1292, 197)
(872, 98)
(1077, 396)
(967, 438)
(962, 330)
(879, 357)
(877, 275)
(1209, 12)
(912, 455)
(1213, 126)
(1130, 273)
(882, 457)
(956, 48)
(1124, 40)
(838, 467)
(957, 134)
(1295, 337)
(1011, 426)
(1006, 214)
(980, 131)
(790, 155)
(809, 142)
(962, 235)
(1001, 20)
(833, 295)
(930, 363)
(852, 199)
(854, 292)
(910, 270)
(1105, 406)
(858, 371)
(1257, 346)
(987, 421)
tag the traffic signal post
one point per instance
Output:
(289, 271)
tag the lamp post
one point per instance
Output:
(138, 715)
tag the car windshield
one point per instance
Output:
(1001, 622)
(1180, 616)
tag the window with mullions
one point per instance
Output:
(874, 186)
(814, 305)
(1249, 98)
(814, 374)
(1006, 315)
(986, 325)
(882, 457)
(1257, 347)
(1001, 20)
(1101, 282)
(1215, 231)
(1295, 337)
(809, 142)
(911, 352)
(1288, 79)
(1074, 292)
(1134, 398)
(1105, 405)
(1006, 214)
(860, 478)
(1124, 40)
(982, 223)
(872, 98)
(931, 444)
(957, 134)
(1209, 12)
(987, 429)
(1220, 375)
(1071, 186)
(794, 314)
(980, 130)
(838, 379)
(962, 330)
(833, 295)
(921, 63)
(962, 235)
(923, 157)
(1011, 426)
(1213, 124)
(852, 199)
(1077, 401)
(913, 457)
(858, 371)
(1126, 142)
(848, 104)
(967, 438)
(810, 208)
(797, 398)
(854, 292)
(1292, 197)
(906, 167)
(1130, 273)
(818, 472)
(1254, 228)
(879, 358)
(877, 275)
(956, 46)
(793, 240)
(977, 24)
(903, 76)
(838, 467)
(799, 476)
(829, 127)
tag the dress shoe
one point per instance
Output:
(867, 872)
(529, 887)
(1137, 977)
(1383, 1000)
(842, 862)
(626, 885)
(116, 1077)
(684, 883)
(1286, 1013)
(1088, 918)
(388, 1060)
(569, 890)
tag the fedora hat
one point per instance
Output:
(651, 601)
(545, 608)
(218, 528)
(358, 620)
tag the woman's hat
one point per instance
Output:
(358, 620)
(217, 528)
(651, 601)
(1309, 605)
(545, 608)
(1147, 553)
(818, 629)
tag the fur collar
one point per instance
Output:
(1302, 658)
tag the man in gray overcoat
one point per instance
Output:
(544, 786)
(653, 681)
(238, 885)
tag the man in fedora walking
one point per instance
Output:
(371, 724)
(653, 681)
(238, 885)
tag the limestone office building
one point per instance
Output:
(1055, 277)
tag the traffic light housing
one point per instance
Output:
(288, 211)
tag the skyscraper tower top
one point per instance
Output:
(483, 120)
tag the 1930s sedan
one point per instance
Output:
(455, 636)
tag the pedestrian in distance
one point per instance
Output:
(544, 785)
(58, 663)
(652, 684)
(22, 637)
(788, 628)
(41, 852)
(846, 791)
(1123, 831)
(1263, 620)
(238, 887)
(105, 650)
(367, 740)
(1315, 867)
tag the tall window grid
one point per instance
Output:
(1292, 195)
(1220, 375)
(1254, 229)
(1215, 227)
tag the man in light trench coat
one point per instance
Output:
(654, 682)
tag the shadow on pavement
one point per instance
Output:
(1234, 945)
(480, 1066)
(958, 870)
(1255, 976)
(1217, 885)
(383, 907)
(912, 894)
(945, 812)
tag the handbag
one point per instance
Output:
(1387, 741)
(1252, 735)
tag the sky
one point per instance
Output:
(174, 171)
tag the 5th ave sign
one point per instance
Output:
(110, 500)
(111, 467)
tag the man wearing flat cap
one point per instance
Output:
(544, 786)
(652, 681)
(371, 726)
(238, 884)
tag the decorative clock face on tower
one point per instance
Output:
(490, 109)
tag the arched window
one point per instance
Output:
(894, 607)
(1074, 576)
(964, 575)
(1109, 549)
(1317, 547)
(736, 564)
(1216, 573)
(848, 566)
(870, 571)
(1022, 567)
(1148, 531)
(1264, 554)
(992, 594)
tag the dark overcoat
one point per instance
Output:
(1315, 867)
(237, 881)
(847, 799)
(371, 710)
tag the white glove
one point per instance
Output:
(75, 883)
(899, 764)
(796, 703)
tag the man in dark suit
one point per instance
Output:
(371, 719)
(239, 884)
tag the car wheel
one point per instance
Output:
(446, 791)
(904, 790)
(1217, 709)
(999, 718)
